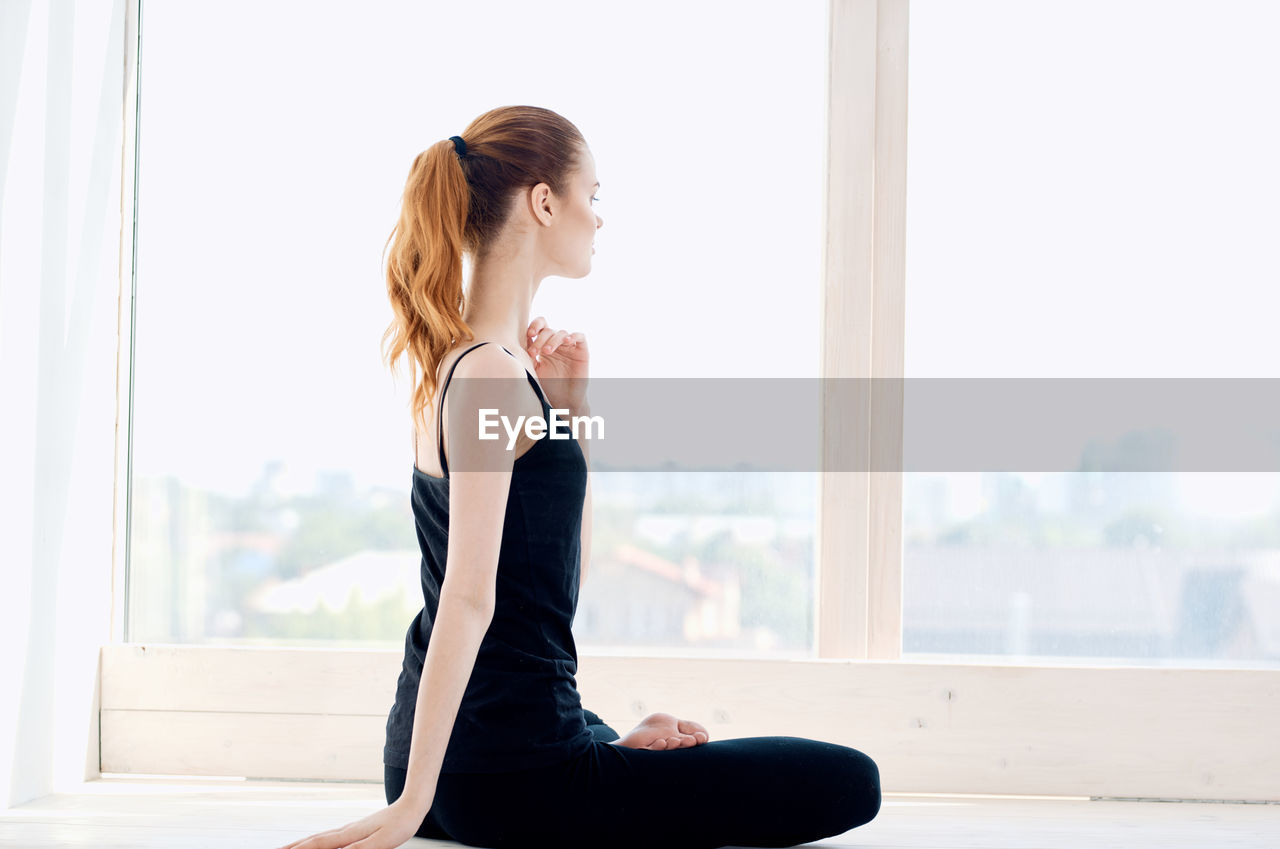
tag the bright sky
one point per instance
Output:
(1083, 200)
(1091, 193)
(274, 147)
(1091, 189)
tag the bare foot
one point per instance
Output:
(661, 731)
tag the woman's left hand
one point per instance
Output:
(385, 828)
(560, 357)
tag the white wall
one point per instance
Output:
(62, 113)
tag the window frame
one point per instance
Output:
(932, 727)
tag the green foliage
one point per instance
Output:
(1137, 527)
(775, 591)
(327, 532)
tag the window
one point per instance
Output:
(936, 726)
(1083, 218)
(271, 448)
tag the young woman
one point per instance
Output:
(487, 742)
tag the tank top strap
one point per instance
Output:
(444, 465)
(537, 387)
(444, 387)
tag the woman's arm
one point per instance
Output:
(456, 635)
(585, 410)
(561, 357)
(479, 484)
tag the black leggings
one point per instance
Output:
(745, 791)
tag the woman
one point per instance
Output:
(487, 742)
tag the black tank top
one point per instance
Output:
(521, 707)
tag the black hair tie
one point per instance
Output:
(459, 146)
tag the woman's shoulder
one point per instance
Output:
(481, 358)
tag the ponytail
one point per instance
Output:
(424, 270)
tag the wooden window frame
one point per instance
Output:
(1110, 732)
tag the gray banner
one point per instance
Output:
(947, 424)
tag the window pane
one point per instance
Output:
(272, 454)
(1093, 201)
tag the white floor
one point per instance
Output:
(142, 813)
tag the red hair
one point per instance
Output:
(453, 205)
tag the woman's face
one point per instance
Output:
(573, 243)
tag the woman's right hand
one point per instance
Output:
(387, 828)
(562, 360)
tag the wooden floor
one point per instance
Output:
(144, 813)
